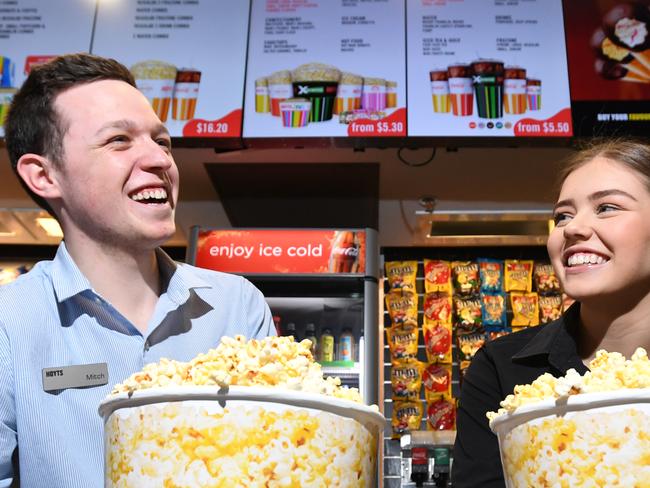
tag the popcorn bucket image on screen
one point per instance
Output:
(461, 91)
(373, 97)
(186, 93)
(488, 88)
(319, 84)
(391, 94)
(348, 94)
(295, 112)
(591, 439)
(262, 100)
(279, 89)
(534, 92)
(514, 90)
(439, 91)
(156, 79)
(243, 436)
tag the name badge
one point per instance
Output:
(76, 376)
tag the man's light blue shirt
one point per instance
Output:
(51, 317)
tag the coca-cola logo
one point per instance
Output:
(346, 251)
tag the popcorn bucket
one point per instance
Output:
(207, 436)
(488, 88)
(295, 112)
(373, 95)
(348, 98)
(391, 94)
(590, 439)
(156, 79)
(279, 84)
(321, 94)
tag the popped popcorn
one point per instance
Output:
(270, 362)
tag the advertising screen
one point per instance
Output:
(608, 44)
(324, 68)
(487, 68)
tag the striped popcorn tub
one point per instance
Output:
(295, 112)
(156, 79)
(348, 95)
(186, 93)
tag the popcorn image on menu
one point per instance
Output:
(156, 79)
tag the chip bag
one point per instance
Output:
(402, 309)
(495, 334)
(493, 311)
(441, 415)
(545, 279)
(525, 309)
(437, 342)
(407, 416)
(468, 345)
(436, 379)
(518, 275)
(550, 308)
(465, 277)
(437, 276)
(401, 275)
(468, 315)
(491, 275)
(437, 308)
(406, 380)
(402, 342)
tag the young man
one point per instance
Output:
(88, 147)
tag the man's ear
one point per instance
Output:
(38, 174)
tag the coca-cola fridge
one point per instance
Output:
(320, 284)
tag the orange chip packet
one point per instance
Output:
(437, 342)
(402, 342)
(436, 379)
(407, 416)
(402, 309)
(550, 308)
(437, 308)
(518, 275)
(401, 275)
(525, 309)
(406, 380)
(437, 276)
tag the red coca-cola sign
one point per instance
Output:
(282, 251)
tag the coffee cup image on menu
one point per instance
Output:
(156, 79)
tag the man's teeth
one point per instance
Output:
(158, 194)
(585, 258)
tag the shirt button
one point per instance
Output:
(146, 346)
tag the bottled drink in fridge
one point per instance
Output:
(290, 330)
(346, 345)
(327, 346)
(310, 333)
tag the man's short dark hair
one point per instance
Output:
(33, 124)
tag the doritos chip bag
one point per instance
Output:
(525, 309)
(518, 275)
(437, 276)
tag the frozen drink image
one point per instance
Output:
(514, 90)
(156, 79)
(461, 91)
(262, 100)
(534, 92)
(391, 94)
(439, 91)
(279, 89)
(318, 83)
(488, 87)
(186, 93)
(348, 94)
(295, 112)
(373, 98)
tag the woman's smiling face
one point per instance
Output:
(600, 245)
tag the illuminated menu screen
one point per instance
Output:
(33, 31)
(326, 68)
(188, 58)
(487, 68)
(608, 44)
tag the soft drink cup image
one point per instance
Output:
(262, 100)
(439, 91)
(461, 91)
(488, 88)
(514, 90)
(534, 92)
(186, 94)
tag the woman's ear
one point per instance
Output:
(37, 173)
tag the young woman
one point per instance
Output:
(600, 250)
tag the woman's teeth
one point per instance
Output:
(585, 258)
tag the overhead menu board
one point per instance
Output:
(487, 68)
(188, 58)
(326, 68)
(608, 44)
(33, 31)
